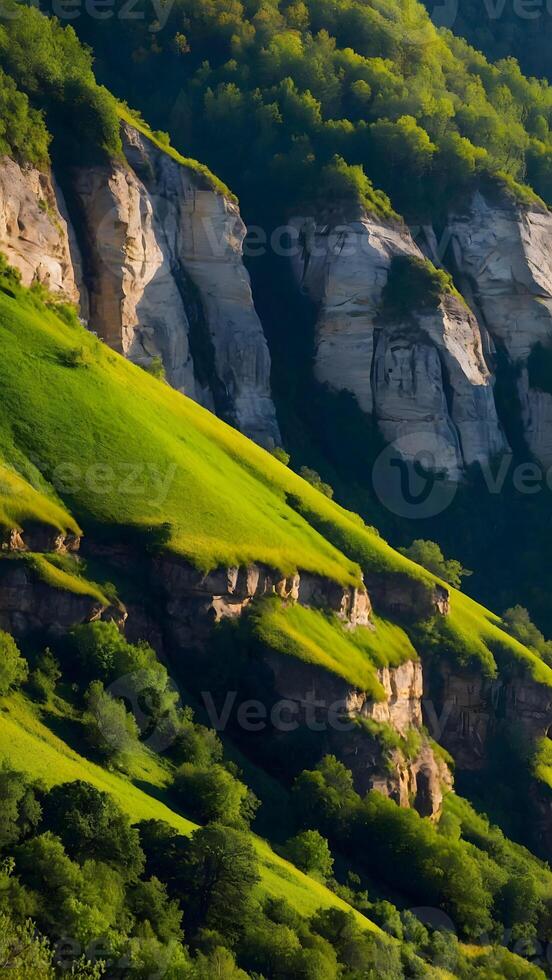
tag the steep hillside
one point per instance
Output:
(198, 526)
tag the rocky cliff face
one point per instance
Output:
(326, 703)
(168, 280)
(428, 377)
(164, 272)
(503, 254)
(423, 375)
(35, 235)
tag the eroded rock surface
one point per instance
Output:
(34, 233)
(168, 281)
(422, 375)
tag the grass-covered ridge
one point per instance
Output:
(118, 448)
(46, 569)
(21, 503)
(324, 641)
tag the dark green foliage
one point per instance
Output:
(218, 872)
(23, 133)
(314, 478)
(91, 825)
(44, 676)
(331, 97)
(20, 810)
(517, 621)
(110, 729)
(49, 64)
(413, 285)
(214, 794)
(148, 900)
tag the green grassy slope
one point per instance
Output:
(325, 641)
(31, 746)
(116, 447)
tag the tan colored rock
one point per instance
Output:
(167, 264)
(34, 234)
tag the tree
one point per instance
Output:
(429, 555)
(23, 952)
(310, 852)
(13, 667)
(20, 810)
(518, 623)
(213, 794)
(220, 871)
(111, 731)
(91, 825)
(148, 900)
(218, 965)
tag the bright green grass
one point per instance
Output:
(57, 578)
(200, 169)
(491, 645)
(30, 746)
(20, 503)
(323, 640)
(124, 449)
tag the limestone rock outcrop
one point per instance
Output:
(423, 376)
(328, 704)
(195, 601)
(503, 253)
(168, 280)
(35, 235)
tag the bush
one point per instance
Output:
(314, 478)
(310, 852)
(92, 826)
(429, 555)
(281, 455)
(13, 667)
(214, 794)
(110, 730)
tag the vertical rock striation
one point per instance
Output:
(168, 281)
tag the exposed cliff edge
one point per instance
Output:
(168, 280)
(431, 373)
(503, 253)
(35, 235)
(164, 272)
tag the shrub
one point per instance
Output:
(429, 555)
(111, 731)
(314, 478)
(310, 852)
(214, 794)
(13, 667)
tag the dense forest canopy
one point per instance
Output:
(296, 94)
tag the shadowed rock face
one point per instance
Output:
(430, 373)
(336, 708)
